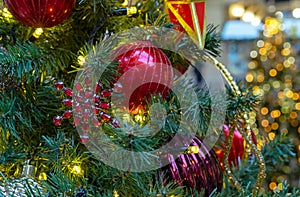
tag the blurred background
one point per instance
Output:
(241, 23)
(261, 47)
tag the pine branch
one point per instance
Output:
(213, 40)
(245, 102)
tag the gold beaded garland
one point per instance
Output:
(246, 132)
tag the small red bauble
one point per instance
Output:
(145, 70)
(40, 13)
(237, 150)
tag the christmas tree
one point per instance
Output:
(68, 67)
(273, 72)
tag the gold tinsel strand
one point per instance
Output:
(245, 134)
(257, 153)
(229, 173)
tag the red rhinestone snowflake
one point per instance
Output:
(79, 102)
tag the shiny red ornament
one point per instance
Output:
(199, 171)
(236, 154)
(40, 13)
(145, 70)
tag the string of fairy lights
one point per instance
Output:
(273, 71)
(277, 76)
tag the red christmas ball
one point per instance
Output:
(145, 70)
(40, 13)
(237, 150)
(200, 170)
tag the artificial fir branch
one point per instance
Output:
(244, 102)
(274, 163)
(213, 40)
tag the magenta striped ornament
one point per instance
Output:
(198, 171)
(40, 13)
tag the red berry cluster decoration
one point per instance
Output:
(80, 102)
